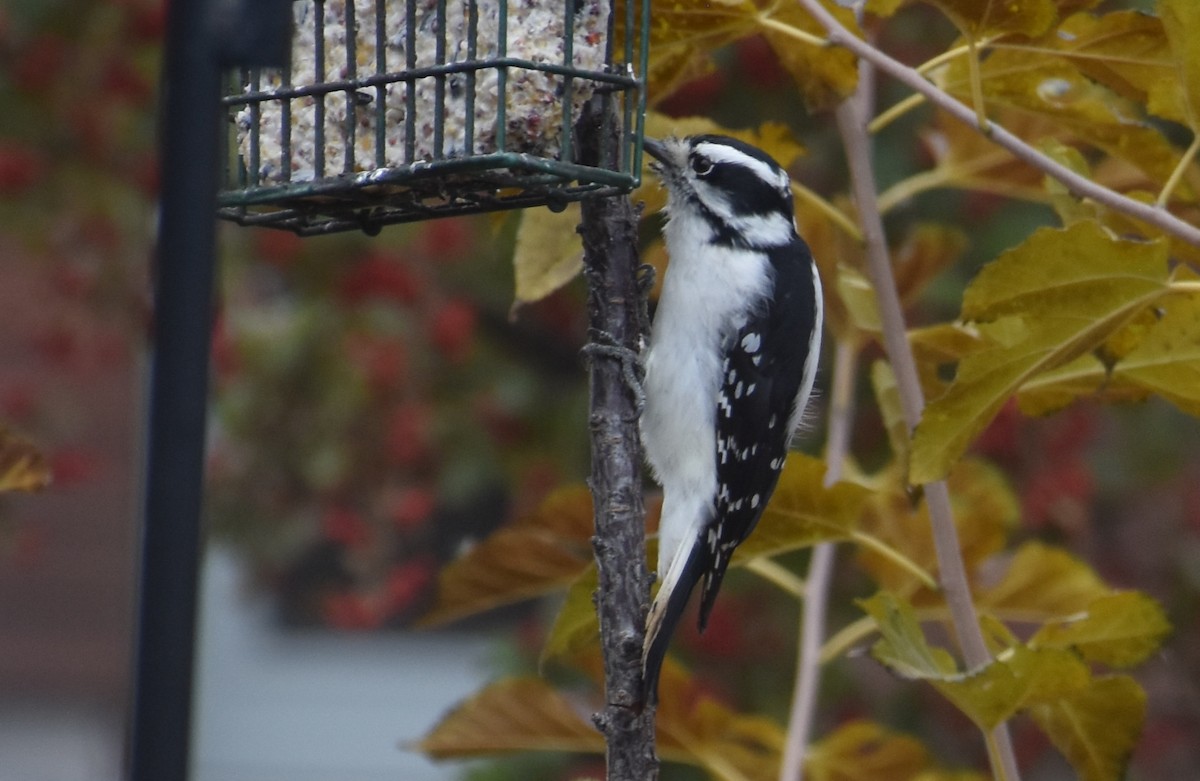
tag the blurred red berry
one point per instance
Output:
(724, 637)
(383, 362)
(501, 424)
(446, 240)
(351, 612)
(413, 508)
(380, 275)
(277, 247)
(21, 167)
(758, 61)
(407, 434)
(57, 344)
(694, 97)
(18, 402)
(408, 581)
(225, 357)
(452, 329)
(1001, 439)
(72, 465)
(147, 21)
(39, 66)
(343, 526)
(125, 83)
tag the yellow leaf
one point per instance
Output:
(22, 466)
(1015, 680)
(1043, 583)
(826, 76)
(1167, 359)
(1048, 301)
(683, 35)
(697, 729)
(985, 509)
(1127, 52)
(832, 250)
(1051, 87)
(938, 347)
(803, 512)
(865, 751)
(887, 399)
(538, 554)
(513, 714)
(548, 252)
(1096, 727)
(981, 18)
(1181, 20)
(857, 297)
(927, 250)
(1119, 630)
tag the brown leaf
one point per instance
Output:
(512, 714)
(538, 554)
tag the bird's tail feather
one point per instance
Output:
(665, 612)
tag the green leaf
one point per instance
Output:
(1018, 678)
(1043, 303)
(903, 647)
(1096, 727)
(1119, 630)
(576, 627)
(548, 252)
(538, 554)
(513, 714)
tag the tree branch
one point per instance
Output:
(609, 231)
(1079, 185)
(852, 123)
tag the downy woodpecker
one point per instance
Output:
(729, 367)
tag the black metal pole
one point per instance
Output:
(184, 268)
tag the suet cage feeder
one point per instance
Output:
(396, 111)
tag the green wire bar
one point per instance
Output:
(338, 142)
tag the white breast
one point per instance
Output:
(705, 295)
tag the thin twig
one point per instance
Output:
(820, 573)
(1079, 185)
(808, 663)
(852, 123)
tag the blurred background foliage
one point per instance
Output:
(376, 405)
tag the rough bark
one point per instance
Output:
(615, 312)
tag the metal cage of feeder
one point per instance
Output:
(402, 110)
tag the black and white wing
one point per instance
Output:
(767, 376)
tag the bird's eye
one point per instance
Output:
(702, 165)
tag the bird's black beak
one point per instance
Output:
(655, 148)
